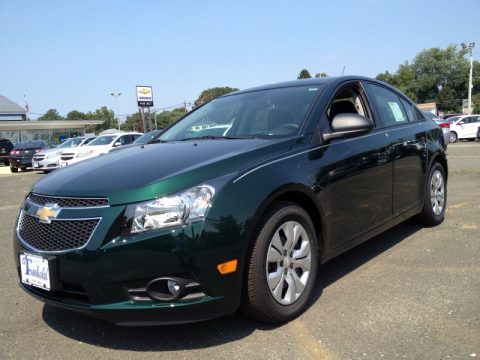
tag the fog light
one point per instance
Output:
(174, 288)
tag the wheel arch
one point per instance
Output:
(297, 194)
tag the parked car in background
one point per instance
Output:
(48, 160)
(22, 154)
(464, 127)
(191, 228)
(5, 147)
(146, 138)
(100, 145)
(444, 124)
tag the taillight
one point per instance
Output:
(14, 152)
(445, 125)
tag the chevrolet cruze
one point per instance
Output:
(197, 226)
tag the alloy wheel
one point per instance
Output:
(437, 192)
(288, 264)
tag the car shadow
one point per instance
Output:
(213, 332)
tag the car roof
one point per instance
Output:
(331, 80)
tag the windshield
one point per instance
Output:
(271, 113)
(453, 119)
(30, 145)
(72, 142)
(147, 137)
(102, 140)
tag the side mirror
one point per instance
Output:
(118, 143)
(348, 125)
(460, 123)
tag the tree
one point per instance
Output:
(104, 114)
(76, 115)
(436, 75)
(166, 118)
(212, 93)
(51, 114)
(304, 74)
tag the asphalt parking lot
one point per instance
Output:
(410, 293)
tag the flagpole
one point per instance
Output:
(27, 109)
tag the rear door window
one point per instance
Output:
(389, 106)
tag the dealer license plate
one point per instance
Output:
(35, 271)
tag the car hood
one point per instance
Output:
(145, 172)
(86, 148)
(49, 151)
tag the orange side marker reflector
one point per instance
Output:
(227, 267)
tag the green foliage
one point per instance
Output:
(304, 74)
(51, 114)
(212, 93)
(104, 114)
(436, 75)
(166, 118)
(76, 115)
(133, 123)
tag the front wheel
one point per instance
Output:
(13, 169)
(282, 266)
(435, 199)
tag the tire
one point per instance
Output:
(435, 198)
(453, 137)
(23, 168)
(13, 169)
(6, 163)
(282, 265)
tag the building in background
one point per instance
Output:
(13, 125)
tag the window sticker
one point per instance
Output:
(397, 112)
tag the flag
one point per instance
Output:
(27, 109)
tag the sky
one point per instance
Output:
(71, 55)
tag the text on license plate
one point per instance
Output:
(34, 271)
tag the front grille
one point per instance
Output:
(38, 157)
(66, 202)
(58, 235)
(66, 156)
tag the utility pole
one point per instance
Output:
(116, 95)
(470, 79)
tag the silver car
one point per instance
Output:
(49, 160)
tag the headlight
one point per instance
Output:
(83, 154)
(183, 208)
(52, 155)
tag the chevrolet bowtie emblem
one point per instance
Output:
(47, 213)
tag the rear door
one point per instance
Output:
(402, 124)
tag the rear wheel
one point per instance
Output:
(13, 169)
(453, 136)
(435, 200)
(282, 266)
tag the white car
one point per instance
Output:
(101, 145)
(48, 160)
(464, 127)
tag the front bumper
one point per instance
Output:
(105, 279)
(46, 164)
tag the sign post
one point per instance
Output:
(144, 101)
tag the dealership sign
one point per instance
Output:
(144, 96)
